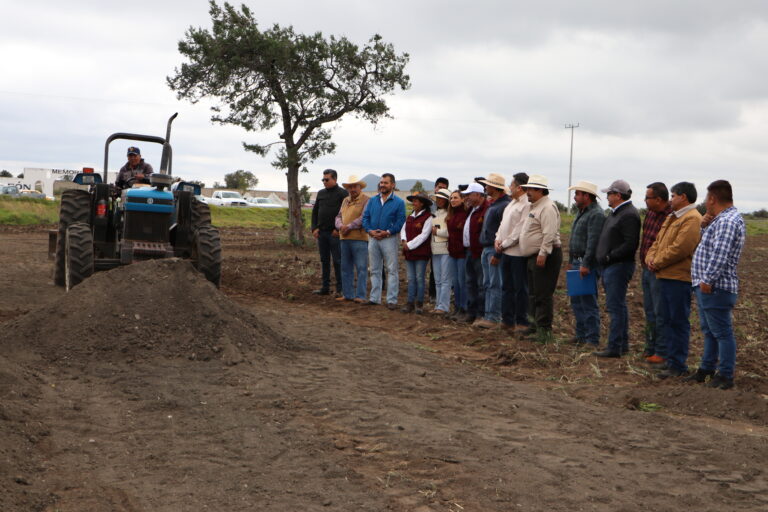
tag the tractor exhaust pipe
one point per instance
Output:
(165, 159)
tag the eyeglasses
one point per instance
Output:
(326, 179)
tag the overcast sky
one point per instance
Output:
(662, 90)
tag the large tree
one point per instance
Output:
(298, 82)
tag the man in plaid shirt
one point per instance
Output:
(657, 202)
(713, 276)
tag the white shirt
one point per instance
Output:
(511, 226)
(466, 227)
(426, 232)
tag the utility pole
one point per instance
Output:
(570, 165)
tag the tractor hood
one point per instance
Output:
(148, 200)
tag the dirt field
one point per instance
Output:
(146, 389)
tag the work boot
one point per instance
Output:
(699, 376)
(720, 382)
(408, 308)
(485, 324)
(419, 308)
(322, 291)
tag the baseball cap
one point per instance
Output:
(620, 186)
(474, 187)
(133, 150)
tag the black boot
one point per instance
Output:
(419, 308)
(699, 376)
(408, 308)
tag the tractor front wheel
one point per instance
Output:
(78, 254)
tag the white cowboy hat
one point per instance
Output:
(443, 193)
(537, 181)
(585, 186)
(495, 181)
(354, 180)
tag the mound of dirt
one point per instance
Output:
(154, 308)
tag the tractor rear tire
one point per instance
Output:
(206, 253)
(78, 254)
(200, 214)
(75, 207)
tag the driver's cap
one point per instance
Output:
(133, 150)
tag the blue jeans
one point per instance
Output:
(459, 275)
(354, 260)
(416, 270)
(654, 344)
(514, 290)
(384, 252)
(616, 279)
(328, 246)
(587, 314)
(674, 311)
(717, 325)
(492, 285)
(475, 289)
(441, 269)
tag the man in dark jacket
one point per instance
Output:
(135, 169)
(582, 256)
(619, 240)
(476, 203)
(327, 206)
(496, 190)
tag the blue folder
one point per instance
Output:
(580, 286)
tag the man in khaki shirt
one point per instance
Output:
(540, 243)
(354, 241)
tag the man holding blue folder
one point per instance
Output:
(582, 261)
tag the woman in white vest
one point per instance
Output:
(440, 257)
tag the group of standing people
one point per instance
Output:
(497, 247)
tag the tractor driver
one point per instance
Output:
(135, 170)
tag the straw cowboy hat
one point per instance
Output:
(495, 181)
(585, 186)
(537, 181)
(443, 193)
(421, 196)
(354, 180)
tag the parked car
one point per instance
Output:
(263, 202)
(9, 190)
(34, 194)
(227, 198)
(202, 199)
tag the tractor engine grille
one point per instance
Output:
(146, 226)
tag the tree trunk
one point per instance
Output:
(295, 218)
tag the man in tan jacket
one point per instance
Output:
(670, 259)
(354, 241)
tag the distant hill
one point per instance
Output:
(372, 183)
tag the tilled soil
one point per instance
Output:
(145, 388)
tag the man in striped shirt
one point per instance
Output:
(714, 279)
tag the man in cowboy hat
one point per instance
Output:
(354, 241)
(540, 243)
(582, 256)
(496, 190)
(327, 204)
(616, 250)
(474, 198)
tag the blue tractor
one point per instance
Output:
(102, 227)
